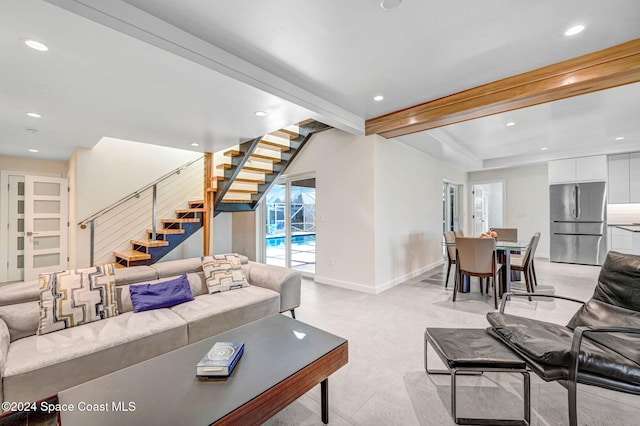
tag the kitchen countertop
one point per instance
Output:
(632, 228)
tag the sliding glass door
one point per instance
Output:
(290, 228)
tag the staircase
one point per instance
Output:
(243, 175)
(169, 236)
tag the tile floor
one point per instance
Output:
(385, 382)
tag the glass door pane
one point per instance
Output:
(302, 216)
(275, 235)
(45, 225)
(290, 224)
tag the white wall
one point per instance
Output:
(343, 164)
(379, 209)
(34, 166)
(109, 171)
(408, 211)
(114, 168)
(527, 197)
(245, 234)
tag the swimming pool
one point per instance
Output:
(296, 240)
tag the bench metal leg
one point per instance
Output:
(454, 372)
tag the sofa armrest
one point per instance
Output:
(507, 296)
(285, 281)
(4, 349)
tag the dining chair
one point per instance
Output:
(476, 257)
(458, 232)
(507, 234)
(524, 263)
(449, 238)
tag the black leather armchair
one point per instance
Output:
(600, 346)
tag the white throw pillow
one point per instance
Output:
(223, 272)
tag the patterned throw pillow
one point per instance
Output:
(223, 272)
(76, 297)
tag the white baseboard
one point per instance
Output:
(345, 284)
(380, 288)
(399, 280)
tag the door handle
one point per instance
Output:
(29, 234)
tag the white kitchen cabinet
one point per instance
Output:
(634, 177)
(624, 178)
(581, 169)
(593, 168)
(618, 179)
(562, 171)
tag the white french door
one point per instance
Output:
(488, 204)
(289, 213)
(46, 205)
(450, 206)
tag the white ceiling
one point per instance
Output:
(172, 73)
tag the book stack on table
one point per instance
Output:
(220, 360)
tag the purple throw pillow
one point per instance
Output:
(162, 295)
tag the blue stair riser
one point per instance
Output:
(174, 240)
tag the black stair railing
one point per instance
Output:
(305, 132)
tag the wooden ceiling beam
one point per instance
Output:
(604, 69)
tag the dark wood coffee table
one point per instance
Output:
(283, 360)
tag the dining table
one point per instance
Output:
(504, 250)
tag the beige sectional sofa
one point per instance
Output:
(33, 367)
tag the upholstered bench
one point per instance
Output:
(473, 350)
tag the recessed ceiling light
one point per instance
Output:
(619, 138)
(32, 130)
(36, 45)
(195, 144)
(544, 148)
(378, 98)
(511, 123)
(33, 150)
(260, 113)
(390, 4)
(574, 30)
(34, 115)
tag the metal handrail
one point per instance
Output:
(136, 194)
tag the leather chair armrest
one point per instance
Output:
(507, 296)
(574, 357)
(578, 335)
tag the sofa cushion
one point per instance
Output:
(76, 297)
(18, 292)
(145, 297)
(40, 366)
(22, 319)
(549, 343)
(223, 272)
(174, 268)
(134, 274)
(212, 314)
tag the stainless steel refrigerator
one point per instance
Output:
(578, 223)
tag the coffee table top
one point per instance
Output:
(165, 389)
